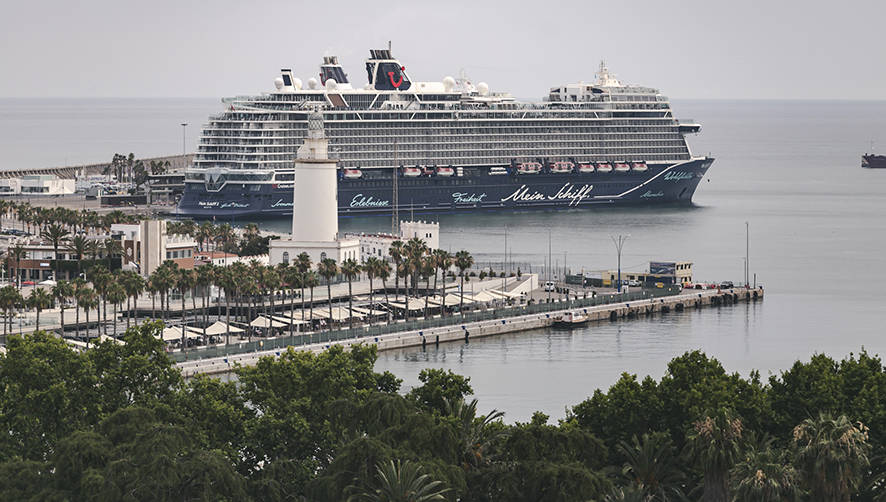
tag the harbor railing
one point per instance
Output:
(370, 333)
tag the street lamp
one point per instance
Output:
(619, 242)
(184, 126)
(747, 250)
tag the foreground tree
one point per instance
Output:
(714, 444)
(401, 482)
(651, 465)
(832, 454)
(764, 473)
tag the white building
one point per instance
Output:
(378, 245)
(315, 205)
(148, 245)
(10, 186)
(46, 184)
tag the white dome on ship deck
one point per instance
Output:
(331, 84)
(278, 83)
(296, 82)
(312, 83)
(483, 88)
(448, 83)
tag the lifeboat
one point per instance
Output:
(639, 167)
(353, 174)
(445, 171)
(562, 167)
(529, 168)
(411, 172)
(427, 170)
(586, 168)
(621, 167)
(604, 168)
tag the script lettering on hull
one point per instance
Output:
(678, 176)
(568, 192)
(466, 198)
(361, 200)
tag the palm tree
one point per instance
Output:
(111, 247)
(79, 283)
(61, 292)
(310, 281)
(133, 284)
(396, 253)
(39, 299)
(16, 254)
(651, 464)
(78, 245)
(764, 474)
(463, 261)
(303, 265)
(350, 269)
(714, 443)
(223, 235)
(442, 261)
(205, 233)
(474, 433)
(205, 279)
(9, 299)
(295, 279)
(55, 234)
(427, 268)
(415, 249)
(87, 300)
(372, 269)
(384, 273)
(328, 269)
(101, 279)
(152, 286)
(224, 280)
(832, 454)
(272, 282)
(116, 294)
(401, 482)
(185, 280)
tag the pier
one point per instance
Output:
(465, 332)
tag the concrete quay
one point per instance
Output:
(691, 299)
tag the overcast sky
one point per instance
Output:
(689, 49)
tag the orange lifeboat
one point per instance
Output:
(604, 168)
(352, 174)
(622, 167)
(586, 168)
(639, 167)
(562, 167)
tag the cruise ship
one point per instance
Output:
(450, 145)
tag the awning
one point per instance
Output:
(264, 322)
(365, 311)
(414, 304)
(172, 333)
(104, 338)
(220, 328)
(288, 320)
(454, 299)
(483, 296)
(505, 293)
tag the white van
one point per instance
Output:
(549, 286)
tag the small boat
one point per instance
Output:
(562, 167)
(621, 167)
(586, 168)
(411, 172)
(352, 174)
(570, 320)
(529, 168)
(639, 167)
(872, 161)
(604, 168)
(445, 171)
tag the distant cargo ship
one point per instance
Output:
(873, 161)
(444, 146)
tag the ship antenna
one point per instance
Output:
(395, 215)
(389, 46)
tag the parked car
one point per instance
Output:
(28, 283)
(549, 286)
(633, 283)
(726, 285)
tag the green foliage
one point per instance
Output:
(118, 422)
(439, 387)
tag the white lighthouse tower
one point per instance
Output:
(315, 205)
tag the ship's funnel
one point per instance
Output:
(288, 80)
(386, 73)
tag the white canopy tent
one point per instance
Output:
(220, 328)
(171, 333)
(263, 322)
(288, 320)
(414, 304)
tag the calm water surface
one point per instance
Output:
(789, 169)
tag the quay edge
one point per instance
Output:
(479, 329)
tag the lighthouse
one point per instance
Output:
(315, 205)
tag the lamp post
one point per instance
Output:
(184, 128)
(619, 242)
(747, 249)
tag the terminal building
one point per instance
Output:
(665, 272)
(379, 245)
(36, 185)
